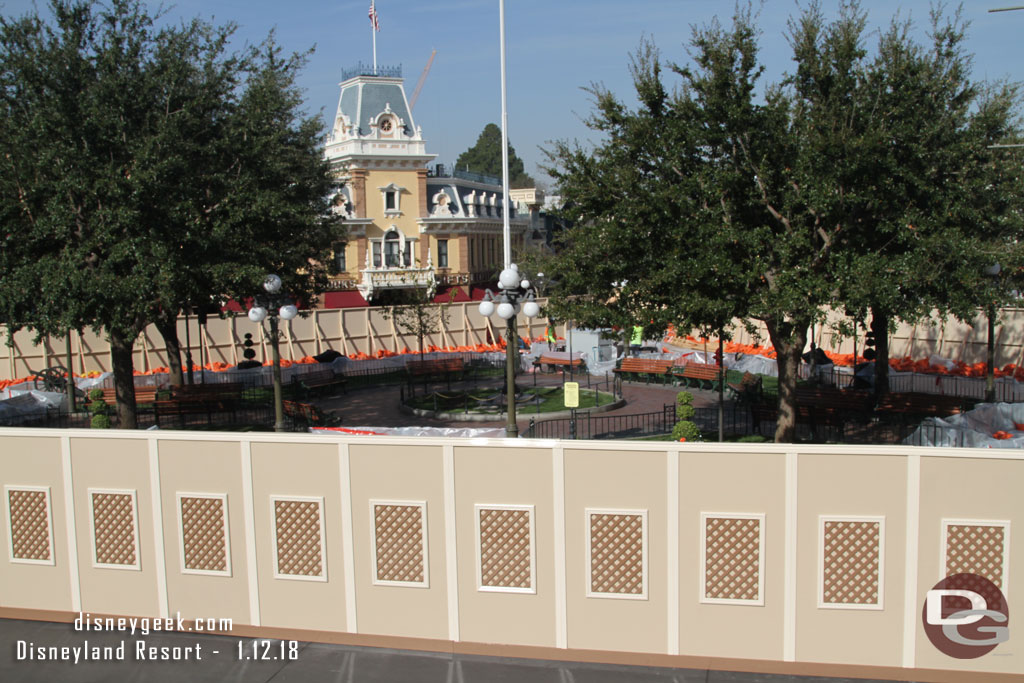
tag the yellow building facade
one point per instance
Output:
(413, 226)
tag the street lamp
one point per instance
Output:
(516, 294)
(274, 304)
(990, 374)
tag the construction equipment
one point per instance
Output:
(419, 83)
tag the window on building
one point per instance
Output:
(392, 250)
(376, 254)
(339, 257)
(389, 201)
(407, 254)
(442, 253)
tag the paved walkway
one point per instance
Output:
(312, 662)
(379, 406)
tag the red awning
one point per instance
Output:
(444, 295)
(349, 299)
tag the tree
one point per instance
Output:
(137, 174)
(419, 315)
(485, 157)
(718, 203)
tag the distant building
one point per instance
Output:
(412, 224)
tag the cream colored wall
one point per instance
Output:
(626, 480)
(731, 483)
(115, 464)
(408, 204)
(204, 467)
(971, 489)
(851, 485)
(868, 481)
(307, 471)
(526, 479)
(35, 462)
(409, 474)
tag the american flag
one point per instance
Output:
(373, 17)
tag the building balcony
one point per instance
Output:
(376, 279)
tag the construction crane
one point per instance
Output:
(419, 83)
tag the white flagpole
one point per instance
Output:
(506, 230)
(373, 32)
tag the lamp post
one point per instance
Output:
(990, 373)
(516, 294)
(274, 304)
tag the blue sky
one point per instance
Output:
(554, 50)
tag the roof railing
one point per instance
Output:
(361, 69)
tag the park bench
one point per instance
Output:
(219, 397)
(436, 367)
(700, 375)
(181, 408)
(919, 405)
(143, 395)
(307, 414)
(818, 407)
(748, 389)
(319, 381)
(551, 363)
(648, 367)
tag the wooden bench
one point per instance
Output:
(218, 397)
(180, 408)
(701, 375)
(143, 395)
(440, 366)
(919, 405)
(831, 407)
(649, 367)
(748, 389)
(307, 414)
(553, 363)
(319, 381)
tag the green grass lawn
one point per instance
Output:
(552, 399)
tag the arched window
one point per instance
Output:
(392, 250)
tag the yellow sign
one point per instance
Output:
(572, 394)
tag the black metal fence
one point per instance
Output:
(587, 425)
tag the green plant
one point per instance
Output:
(685, 431)
(684, 406)
(95, 394)
(100, 421)
(752, 438)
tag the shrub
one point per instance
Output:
(101, 421)
(684, 406)
(752, 438)
(685, 429)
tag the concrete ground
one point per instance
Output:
(311, 663)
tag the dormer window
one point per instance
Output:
(387, 127)
(391, 196)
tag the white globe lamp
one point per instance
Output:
(257, 314)
(272, 283)
(506, 310)
(486, 308)
(531, 309)
(288, 312)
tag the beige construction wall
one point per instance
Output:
(346, 330)
(759, 556)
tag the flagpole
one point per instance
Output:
(506, 231)
(373, 32)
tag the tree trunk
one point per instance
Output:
(789, 339)
(168, 328)
(124, 379)
(880, 328)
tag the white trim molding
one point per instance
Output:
(879, 603)
(137, 565)
(223, 498)
(374, 574)
(759, 517)
(589, 513)
(478, 509)
(45, 490)
(319, 501)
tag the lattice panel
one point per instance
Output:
(30, 525)
(113, 517)
(398, 530)
(616, 553)
(203, 535)
(732, 558)
(976, 549)
(852, 560)
(505, 548)
(299, 542)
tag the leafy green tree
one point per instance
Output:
(141, 166)
(720, 203)
(485, 157)
(418, 315)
